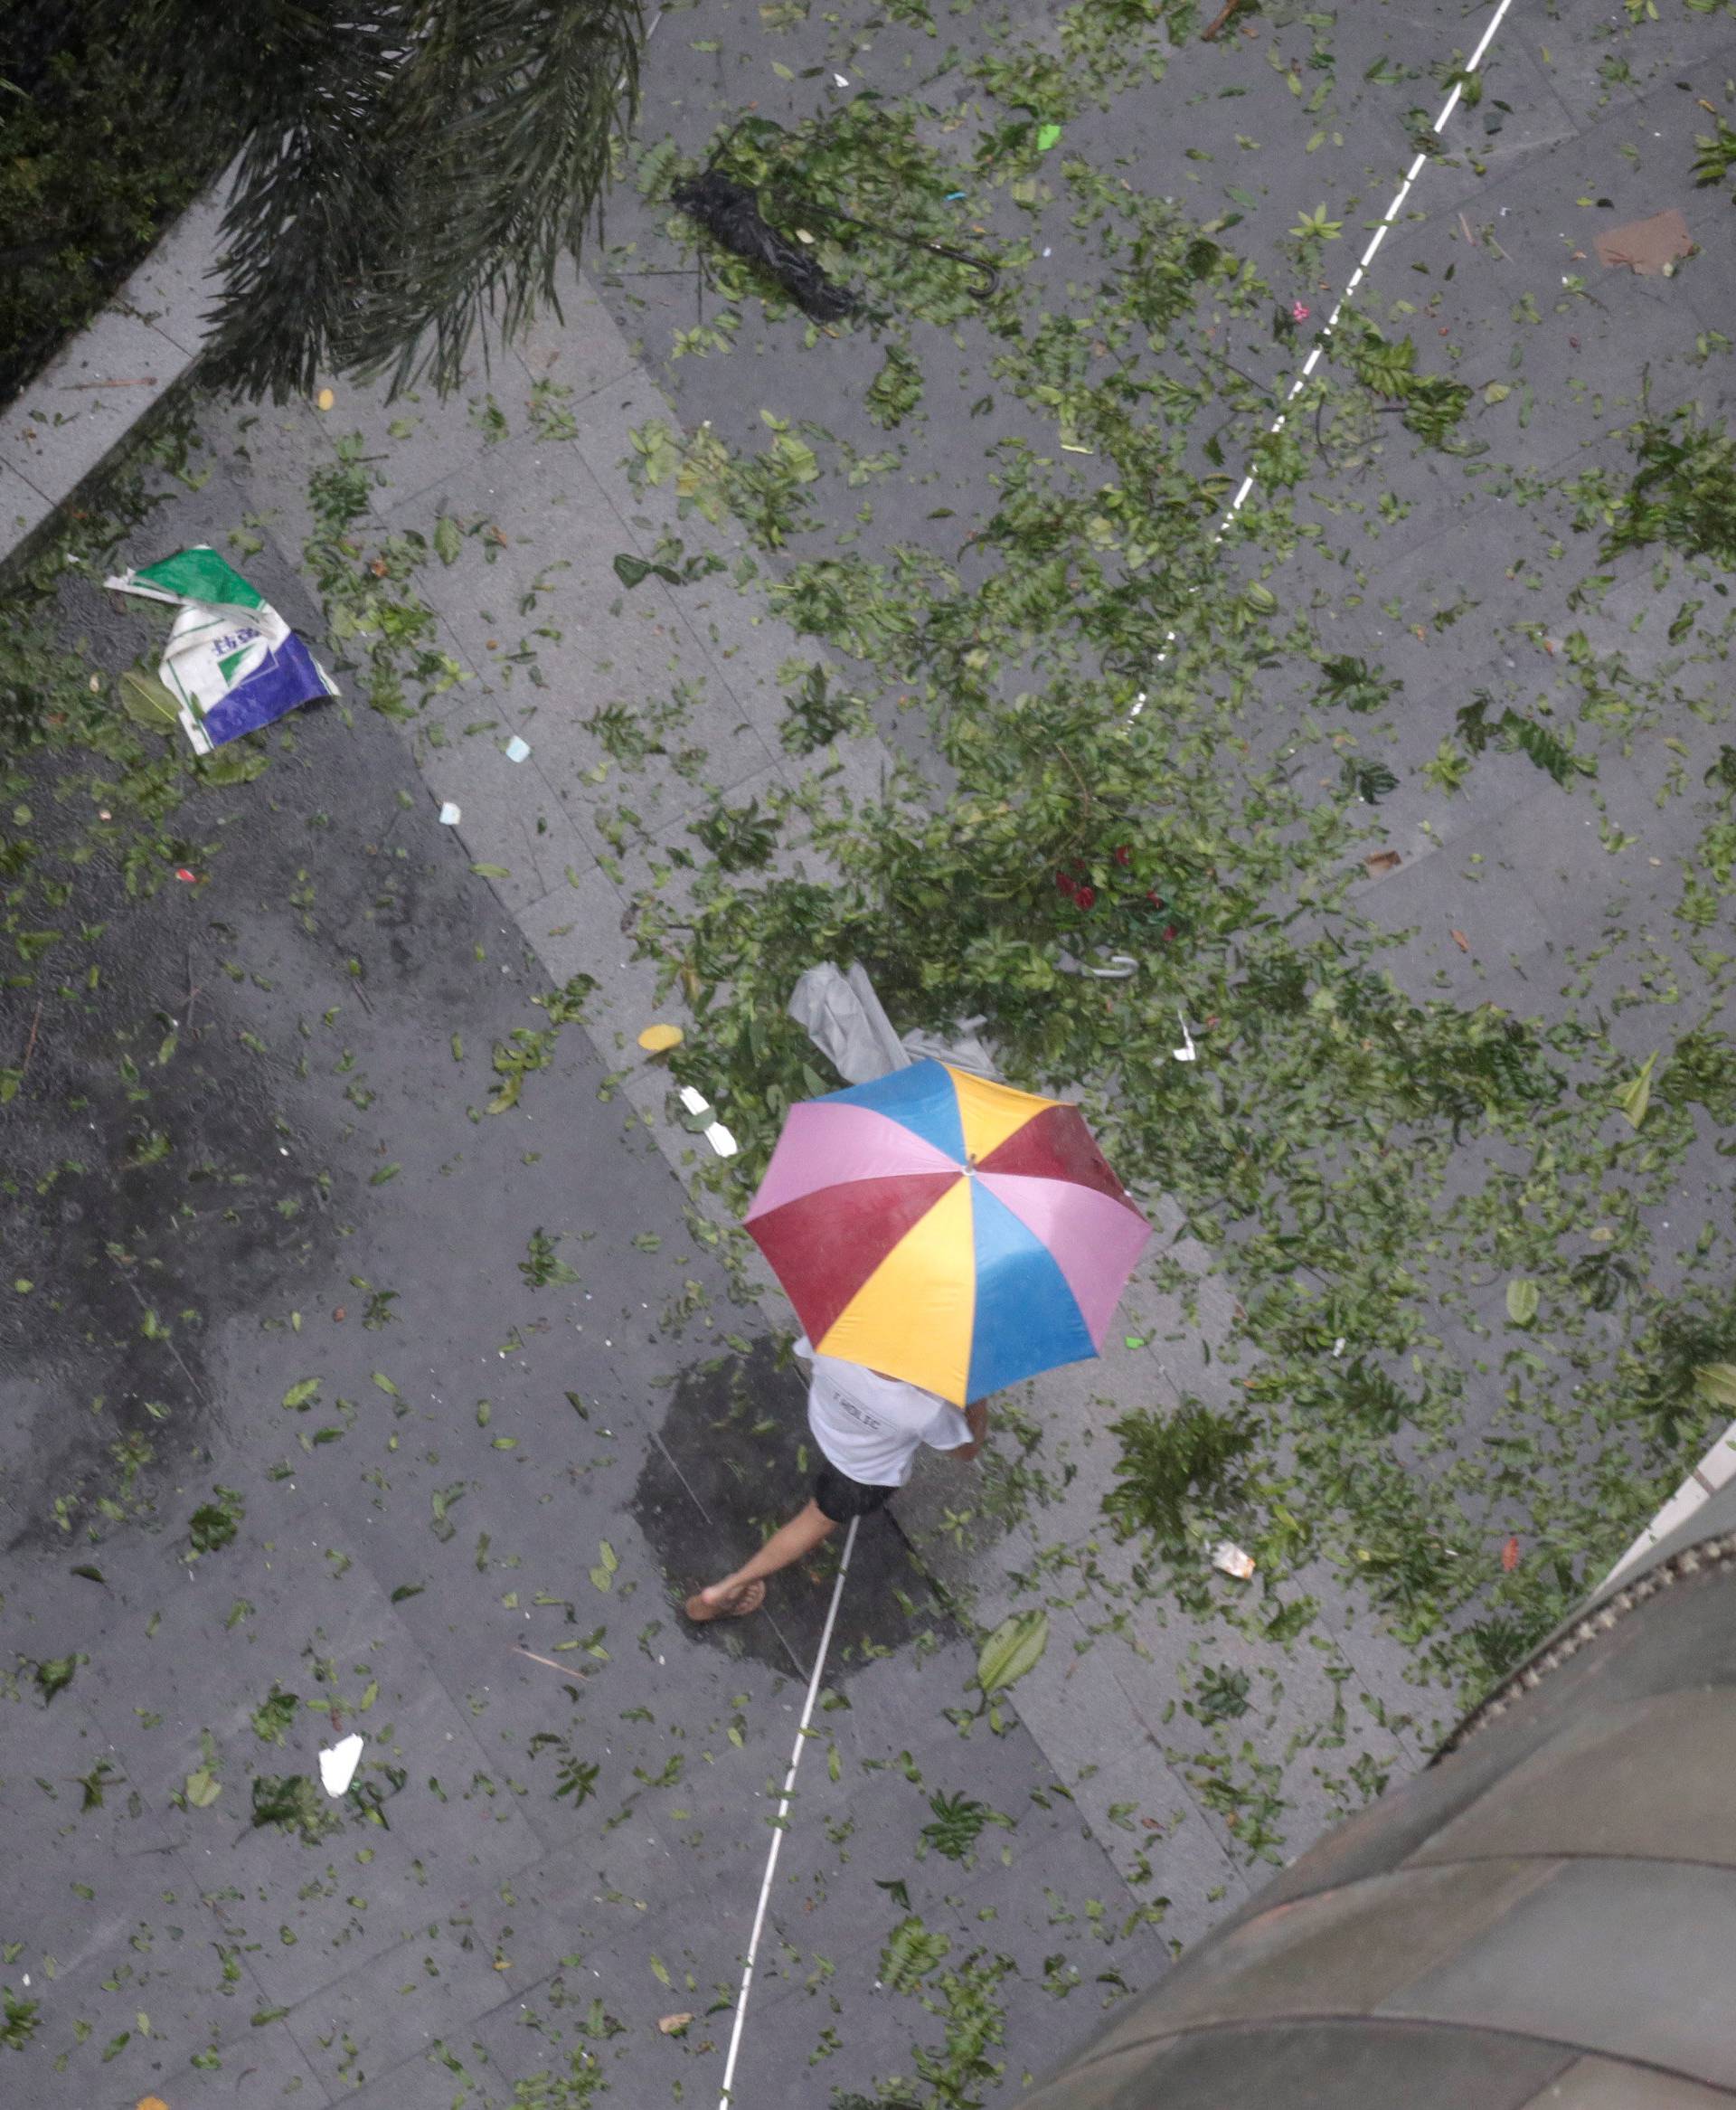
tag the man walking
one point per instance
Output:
(869, 1428)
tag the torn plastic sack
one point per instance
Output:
(843, 1018)
(964, 1049)
(232, 663)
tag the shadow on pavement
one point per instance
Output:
(733, 1460)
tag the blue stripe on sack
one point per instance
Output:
(922, 1098)
(283, 680)
(1026, 1317)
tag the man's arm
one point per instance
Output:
(977, 1414)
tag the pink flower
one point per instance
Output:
(1065, 883)
(1086, 897)
(1298, 311)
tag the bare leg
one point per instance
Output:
(783, 1549)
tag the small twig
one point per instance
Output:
(549, 1663)
(1263, 387)
(30, 1046)
(1091, 797)
(1208, 35)
(1465, 225)
(192, 1381)
(355, 980)
(143, 381)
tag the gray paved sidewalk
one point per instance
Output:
(544, 512)
(564, 509)
(334, 1204)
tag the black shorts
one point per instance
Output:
(840, 1497)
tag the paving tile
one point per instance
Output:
(271, 452)
(576, 351)
(1013, 1914)
(62, 427)
(512, 818)
(1145, 1819)
(174, 288)
(266, 2060)
(578, 929)
(23, 507)
(1517, 123)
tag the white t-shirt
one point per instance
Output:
(871, 1427)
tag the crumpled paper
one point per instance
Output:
(1646, 247)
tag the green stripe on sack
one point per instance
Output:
(200, 574)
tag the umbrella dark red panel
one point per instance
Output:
(946, 1230)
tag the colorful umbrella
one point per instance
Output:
(946, 1230)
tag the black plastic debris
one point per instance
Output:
(729, 214)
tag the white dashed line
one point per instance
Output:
(779, 1821)
(1387, 221)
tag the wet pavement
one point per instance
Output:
(255, 1156)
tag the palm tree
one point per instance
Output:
(411, 172)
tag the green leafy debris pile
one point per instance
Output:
(1129, 713)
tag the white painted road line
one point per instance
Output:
(1387, 221)
(783, 1817)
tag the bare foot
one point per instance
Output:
(725, 1601)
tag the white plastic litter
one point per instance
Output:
(964, 1047)
(518, 750)
(1228, 1556)
(843, 1017)
(1113, 967)
(450, 815)
(1188, 1053)
(846, 1021)
(716, 1135)
(337, 1767)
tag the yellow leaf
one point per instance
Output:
(324, 398)
(660, 1039)
(672, 2025)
